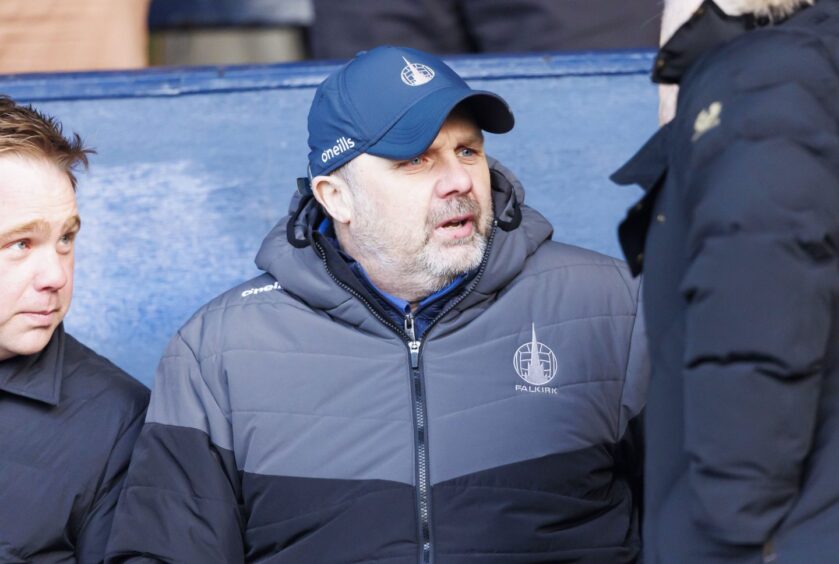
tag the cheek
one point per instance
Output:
(8, 296)
(69, 271)
(482, 189)
(15, 281)
(408, 214)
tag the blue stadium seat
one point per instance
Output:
(195, 165)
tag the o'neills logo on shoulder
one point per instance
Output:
(535, 363)
(261, 289)
(342, 145)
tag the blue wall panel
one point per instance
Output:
(194, 166)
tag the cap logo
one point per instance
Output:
(416, 74)
(342, 145)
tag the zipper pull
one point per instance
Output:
(410, 330)
(414, 347)
(414, 344)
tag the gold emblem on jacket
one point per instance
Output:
(707, 120)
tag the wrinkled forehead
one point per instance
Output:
(34, 189)
(459, 127)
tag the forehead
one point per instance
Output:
(458, 125)
(33, 189)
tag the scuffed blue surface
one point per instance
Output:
(194, 167)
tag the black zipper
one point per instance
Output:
(408, 332)
(420, 411)
(420, 443)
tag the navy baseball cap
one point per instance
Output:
(391, 102)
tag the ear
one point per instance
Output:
(333, 194)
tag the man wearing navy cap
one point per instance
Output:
(420, 375)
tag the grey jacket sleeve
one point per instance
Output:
(181, 501)
(760, 286)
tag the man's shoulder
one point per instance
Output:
(93, 378)
(554, 255)
(769, 60)
(260, 290)
(234, 311)
(582, 270)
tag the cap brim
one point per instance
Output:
(414, 132)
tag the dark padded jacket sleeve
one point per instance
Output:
(629, 454)
(181, 501)
(759, 287)
(93, 536)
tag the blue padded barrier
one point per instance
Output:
(194, 166)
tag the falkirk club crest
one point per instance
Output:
(416, 74)
(535, 362)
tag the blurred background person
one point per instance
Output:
(210, 32)
(228, 32)
(62, 35)
(341, 28)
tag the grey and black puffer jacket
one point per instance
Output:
(292, 422)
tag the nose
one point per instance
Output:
(455, 179)
(52, 271)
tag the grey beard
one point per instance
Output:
(441, 275)
(428, 270)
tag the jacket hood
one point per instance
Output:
(295, 253)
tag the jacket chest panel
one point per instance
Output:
(327, 411)
(550, 388)
(36, 506)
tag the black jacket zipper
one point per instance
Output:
(408, 332)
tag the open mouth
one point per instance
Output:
(457, 227)
(456, 223)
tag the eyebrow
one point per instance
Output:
(39, 226)
(73, 224)
(468, 139)
(473, 138)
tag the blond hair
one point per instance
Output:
(27, 132)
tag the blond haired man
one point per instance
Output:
(68, 417)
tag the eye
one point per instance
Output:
(416, 162)
(467, 153)
(67, 239)
(20, 246)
